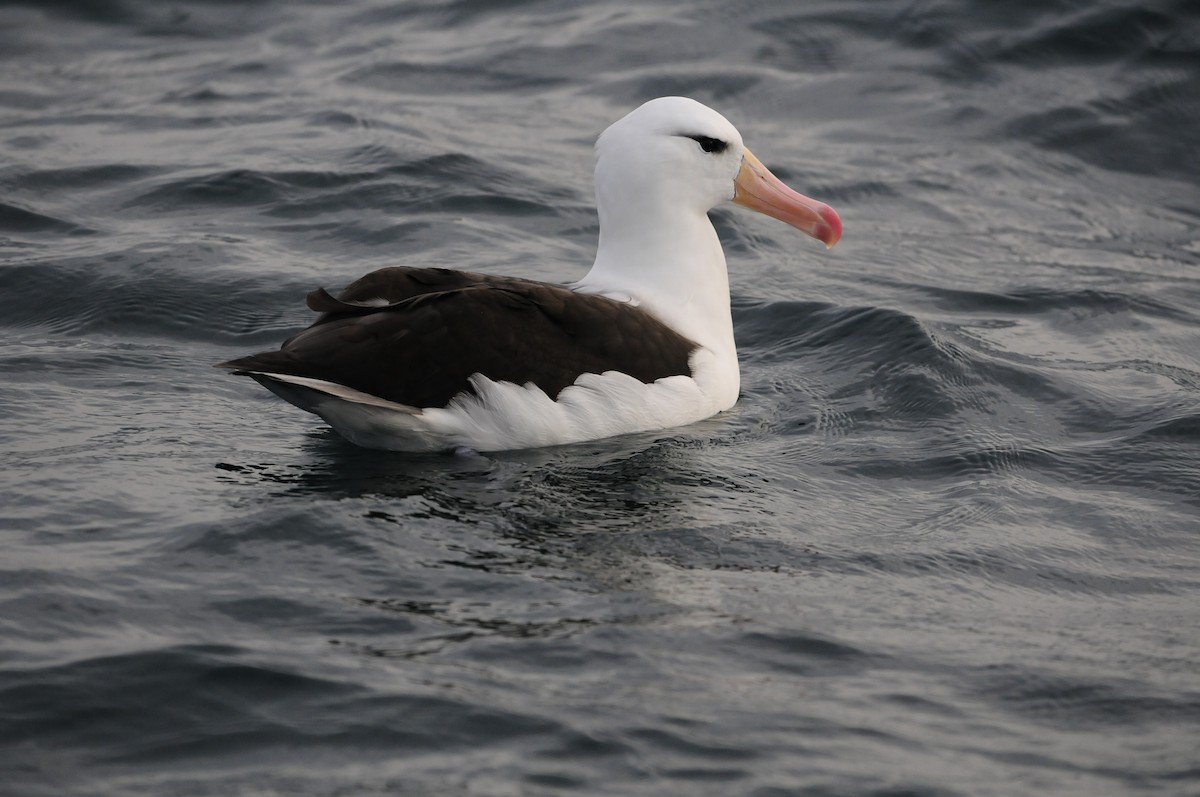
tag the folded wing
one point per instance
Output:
(415, 336)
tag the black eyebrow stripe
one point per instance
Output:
(707, 143)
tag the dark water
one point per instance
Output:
(946, 544)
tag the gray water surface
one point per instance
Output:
(946, 543)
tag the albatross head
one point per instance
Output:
(674, 152)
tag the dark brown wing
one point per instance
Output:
(415, 336)
(389, 286)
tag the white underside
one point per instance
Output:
(501, 416)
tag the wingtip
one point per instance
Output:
(236, 365)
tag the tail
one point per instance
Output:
(277, 371)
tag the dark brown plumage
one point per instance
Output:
(415, 335)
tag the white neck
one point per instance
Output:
(668, 259)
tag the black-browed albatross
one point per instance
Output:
(422, 359)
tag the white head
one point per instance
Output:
(672, 150)
(675, 153)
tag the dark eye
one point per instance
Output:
(709, 144)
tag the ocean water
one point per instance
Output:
(947, 543)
